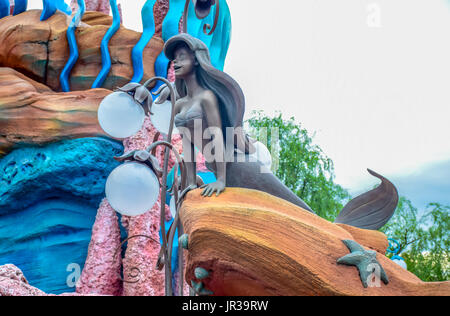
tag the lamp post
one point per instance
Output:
(133, 187)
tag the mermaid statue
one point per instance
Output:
(209, 113)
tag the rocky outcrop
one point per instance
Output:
(372, 239)
(32, 114)
(14, 283)
(39, 49)
(252, 243)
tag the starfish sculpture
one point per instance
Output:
(366, 262)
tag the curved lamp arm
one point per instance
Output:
(143, 97)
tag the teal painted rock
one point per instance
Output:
(49, 198)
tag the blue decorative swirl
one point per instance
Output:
(171, 23)
(106, 57)
(63, 7)
(170, 27)
(49, 8)
(218, 43)
(161, 67)
(148, 25)
(394, 246)
(20, 6)
(64, 77)
(4, 8)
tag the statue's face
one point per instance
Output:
(184, 62)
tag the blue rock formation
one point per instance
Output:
(49, 198)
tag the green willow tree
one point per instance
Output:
(308, 172)
(423, 239)
(301, 165)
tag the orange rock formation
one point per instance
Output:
(39, 49)
(253, 243)
(31, 113)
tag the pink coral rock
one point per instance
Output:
(93, 5)
(14, 283)
(142, 253)
(141, 278)
(101, 273)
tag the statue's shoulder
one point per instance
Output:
(209, 98)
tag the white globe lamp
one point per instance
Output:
(120, 116)
(162, 114)
(132, 189)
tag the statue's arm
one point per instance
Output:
(210, 106)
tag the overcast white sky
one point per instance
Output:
(377, 97)
(370, 77)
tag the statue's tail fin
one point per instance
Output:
(373, 209)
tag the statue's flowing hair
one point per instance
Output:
(227, 90)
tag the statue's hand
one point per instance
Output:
(210, 188)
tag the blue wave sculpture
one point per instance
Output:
(170, 27)
(63, 7)
(218, 43)
(106, 57)
(20, 6)
(4, 8)
(161, 67)
(73, 47)
(171, 23)
(50, 7)
(49, 200)
(148, 30)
